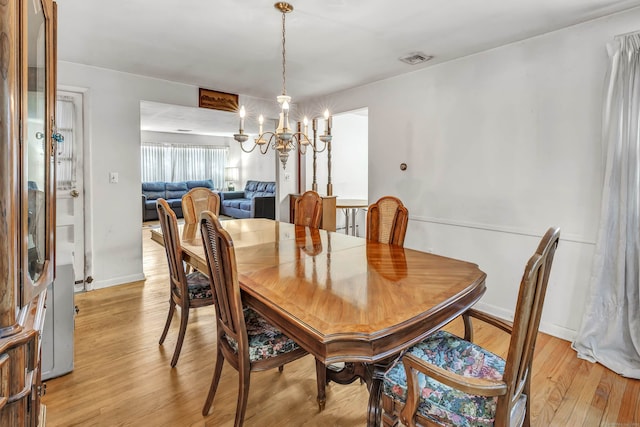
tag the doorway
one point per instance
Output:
(349, 163)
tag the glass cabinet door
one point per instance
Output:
(37, 148)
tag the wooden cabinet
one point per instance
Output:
(328, 221)
(27, 210)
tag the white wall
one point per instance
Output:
(349, 157)
(113, 138)
(113, 141)
(500, 146)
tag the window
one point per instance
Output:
(181, 162)
(65, 120)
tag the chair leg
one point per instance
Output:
(527, 391)
(321, 379)
(468, 327)
(184, 319)
(389, 420)
(244, 374)
(280, 368)
(172, 308)
(214, 383)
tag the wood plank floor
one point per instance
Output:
(122, 376)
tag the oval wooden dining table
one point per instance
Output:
(343, 298)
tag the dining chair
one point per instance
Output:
(387, 221)
(187, 291)
(308, 210)
(446, 380)
(245, 339)
(197, 200)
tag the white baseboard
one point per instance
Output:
(100, 284)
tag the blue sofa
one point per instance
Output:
(172, 192)
(258, 200)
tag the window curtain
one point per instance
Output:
(610, 329)
(154, 163)
(181, 162)
(66, 169)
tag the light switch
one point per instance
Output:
(287, 176)
(113, 177)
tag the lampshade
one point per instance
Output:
(231, 173)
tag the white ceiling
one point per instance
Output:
(235, 46)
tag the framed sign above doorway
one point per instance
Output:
(217, 100)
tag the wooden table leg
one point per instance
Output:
(321, 378)
(374, 415)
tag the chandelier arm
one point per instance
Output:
(302, 148)
(248, 151)
(319, 151)
(271, 144)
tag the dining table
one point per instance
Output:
(340, 297)
(351, 207)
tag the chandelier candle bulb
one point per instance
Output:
(327, 122)
(305, 121)
(260, 122)
(242, 114)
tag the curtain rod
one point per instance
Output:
(630, 33)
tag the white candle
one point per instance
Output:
(285, 110)
(242, 114)
(327, 121)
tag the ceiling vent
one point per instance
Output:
(415, 58)
(183, 130)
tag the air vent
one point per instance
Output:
(183, 130)
(416, 58)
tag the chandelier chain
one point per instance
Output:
(284, 61)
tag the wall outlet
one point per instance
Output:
(113, 177)
(287, 176)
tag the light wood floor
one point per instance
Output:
(122, 376)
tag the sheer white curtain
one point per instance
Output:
(610, 330)
(181, 162)
(154, 163)
(190, 162)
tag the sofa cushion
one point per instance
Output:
(262, 186)
(175, 190)
(271, 188)
(251, 186)
(234, 203)
(207, 183)
(245, 205)
(262, 194)
(153, 190)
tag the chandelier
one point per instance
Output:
(284, 139)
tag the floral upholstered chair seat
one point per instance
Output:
(439, 402)
(265, 340)
(198, 286)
